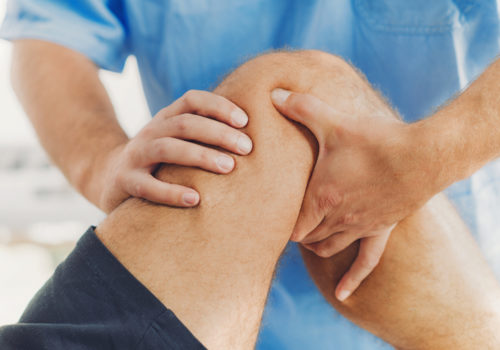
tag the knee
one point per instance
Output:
(296, 70)
(325, 60)
(279, 146)
(307, 71)
(321, 74)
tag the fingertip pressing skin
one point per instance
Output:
(225, 163)
(279, 96)
(245, 145)
(239, 118)
(191, 198)
(342, 294)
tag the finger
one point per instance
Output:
(208, 104)
(143, 185)
(328, 227)
(309, 217)
(317, 206)
(175, 151)
(196, 128)
(369, 254)
(333, 244)
(308, 110)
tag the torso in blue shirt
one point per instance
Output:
(417, 53)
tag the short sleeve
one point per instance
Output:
(94, 28)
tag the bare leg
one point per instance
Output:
(213, 265)
(431, 290)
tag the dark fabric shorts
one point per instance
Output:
(93, 302)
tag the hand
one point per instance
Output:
(166, 139)
(367, 177)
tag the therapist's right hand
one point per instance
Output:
(198, 116)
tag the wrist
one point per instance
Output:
(431, 155)
(95, 173)
(441, 149)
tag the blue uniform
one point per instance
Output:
(419, 54)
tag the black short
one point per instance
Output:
(93, 302)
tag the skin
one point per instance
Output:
(76, 124)
(431, 290)
(108, 167)
(388, 159)
(342, 205)
(213, 264)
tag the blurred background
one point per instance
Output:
(41, 216)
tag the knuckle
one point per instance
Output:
(189, 97)
(181, 123)
(204, 157)
(329, 199)
(348, 219)
(159, 149)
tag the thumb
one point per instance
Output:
(305, 109)
(309, 217)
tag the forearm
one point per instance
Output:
(464, 135)
(70, 110)
(432, 289)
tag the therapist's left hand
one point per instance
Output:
(368, 176)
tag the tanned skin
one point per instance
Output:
(213, 265)
(72, 114)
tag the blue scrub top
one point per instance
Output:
(419, 54)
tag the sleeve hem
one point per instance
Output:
(101, 56)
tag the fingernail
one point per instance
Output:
(190, 198)
(279, 96)
(225, 163)
(239, 117)
(343, 295)
(244, 144)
